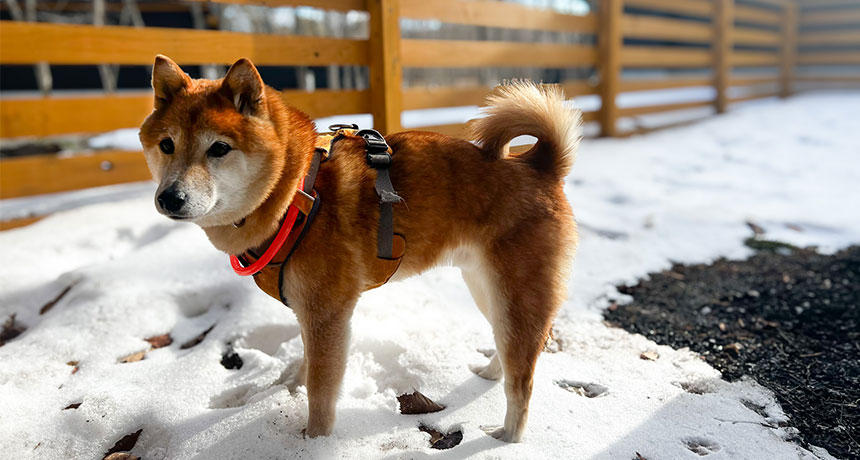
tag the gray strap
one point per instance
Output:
(387, 197)
(379, 159)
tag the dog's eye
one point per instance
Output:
(219, 149)
(166, 145)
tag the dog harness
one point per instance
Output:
(268, 268)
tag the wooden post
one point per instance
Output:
(724, 23)
(788, 53)
(610, 41)
(386, 70)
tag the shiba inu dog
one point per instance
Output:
(231, 151)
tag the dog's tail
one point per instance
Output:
(521, 108)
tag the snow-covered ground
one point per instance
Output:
(676, 195)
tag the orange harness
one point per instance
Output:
(268, 268)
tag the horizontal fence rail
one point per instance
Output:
(25, 43)
(725, 51)
(93, 114)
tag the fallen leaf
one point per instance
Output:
(434, 434)
(72, 406)
(755, 228)
(639, 457)
(45, 308)
(196, 340)
(160, 341)
(134, 357)
(10, 330)
(649, 355)
(734, 348)
(676, 275)
(442, 441)
(125, 444)
(812, 355)
(122, 456)
(417, 403)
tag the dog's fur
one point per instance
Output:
(503, 219)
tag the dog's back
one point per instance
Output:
(460, 197)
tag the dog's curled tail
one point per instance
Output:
(522, 107)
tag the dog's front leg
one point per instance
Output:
(325, 332)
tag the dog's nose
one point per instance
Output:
(172, 200)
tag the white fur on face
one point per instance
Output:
(218, 191)
(232, 180)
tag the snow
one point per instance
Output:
(677, 195)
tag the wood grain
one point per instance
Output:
(40, 174)
(497, 14)
(26, 43)
(49, 116)
(465, 53)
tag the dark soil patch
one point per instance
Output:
(789, 318)
(231, 360)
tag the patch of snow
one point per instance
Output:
(122, 139)
(676, 195)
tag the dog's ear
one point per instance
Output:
(167, 79)
(244, 87)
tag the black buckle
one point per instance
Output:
(339, 126)
(375, 142)
(377, 149)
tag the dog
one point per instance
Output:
(231, 150)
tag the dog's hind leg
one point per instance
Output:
(530, 290)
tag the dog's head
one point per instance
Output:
(210, 144)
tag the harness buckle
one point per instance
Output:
(377, 149)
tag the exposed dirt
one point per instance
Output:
(788, 317)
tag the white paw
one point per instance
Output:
(497, 432)
(487, 372)
(492, 371)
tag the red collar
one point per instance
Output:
(280, 238)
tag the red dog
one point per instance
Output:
(231, 151)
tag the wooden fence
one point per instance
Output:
(736, 49)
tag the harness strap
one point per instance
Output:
(306, 202)
(379, 158)
(299, 215)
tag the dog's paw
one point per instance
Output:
(315, 431)
(486, 372)
(497, 432)
(492, 371)
(500, 433)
